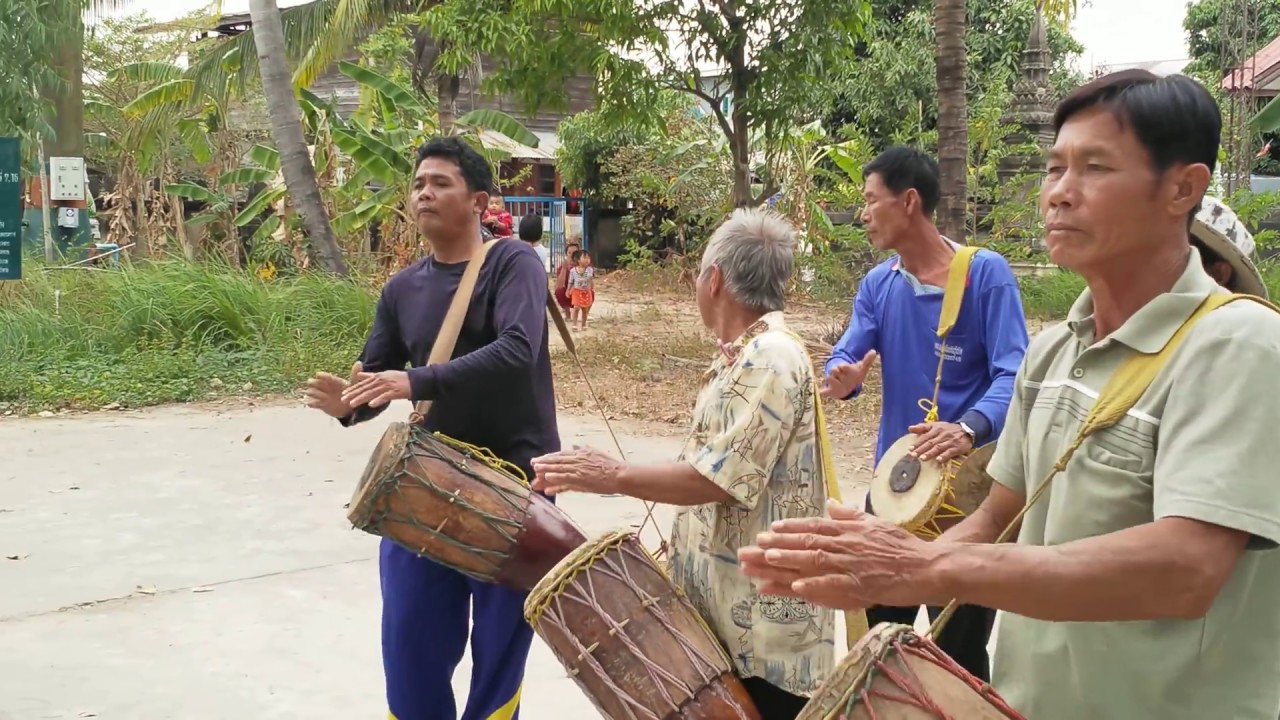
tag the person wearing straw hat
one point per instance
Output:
(1226, 247)
(1137, 470)
(753, 455)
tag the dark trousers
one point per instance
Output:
(428, 614)
(964, 638)
(773, 702)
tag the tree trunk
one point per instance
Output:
(286, 127)
(68, 103)
(953, 130)
(447, 88)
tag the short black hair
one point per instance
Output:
(474, 168)
(530, 228)
(903, 168)
(1174, 117)
(577, 255)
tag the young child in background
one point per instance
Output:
(582, 291)
(562, 278)
(531, 232)
(496, 218)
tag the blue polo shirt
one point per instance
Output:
(897, 316)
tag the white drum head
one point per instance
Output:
(904, 489)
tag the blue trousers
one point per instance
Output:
(425, 613)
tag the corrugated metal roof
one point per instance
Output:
(548, 143)
(1257, 72)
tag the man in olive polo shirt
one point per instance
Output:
(1144, 582)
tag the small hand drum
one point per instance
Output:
(927, 497)
(894, 674)
(631, 640)
(456, 505)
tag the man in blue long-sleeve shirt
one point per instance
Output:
(496, 393)
(895, 316)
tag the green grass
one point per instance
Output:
(169, 332)
(1049, 296)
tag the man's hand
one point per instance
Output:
(581, 469)
(846, 377)
(377, 389)
(940, 441)
(848, 562)
(324, 392)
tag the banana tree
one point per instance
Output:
(163, 116)
(393, 120)
(225, 214)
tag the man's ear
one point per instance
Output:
(481, 202)
(1187, 186)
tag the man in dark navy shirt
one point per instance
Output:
(496, 393)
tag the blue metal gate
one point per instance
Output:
(558, 225)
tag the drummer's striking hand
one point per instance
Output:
(846, 377)
(377, 389)
(849, 561)
(581, 469)
(940, 441)
(324, 392)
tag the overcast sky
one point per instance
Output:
(1112, 31)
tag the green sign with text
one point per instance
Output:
(10, 209)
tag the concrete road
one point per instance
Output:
(195, 563)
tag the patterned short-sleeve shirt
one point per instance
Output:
(754, 435)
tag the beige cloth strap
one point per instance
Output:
(447, 338)
(451, 328)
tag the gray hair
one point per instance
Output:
(755, 251)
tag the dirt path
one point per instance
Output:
(195, 562)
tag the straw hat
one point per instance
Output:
(1217, 226)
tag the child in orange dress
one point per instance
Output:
(582, 293)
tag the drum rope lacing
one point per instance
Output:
(906, 679)
(618, 570)
(507, 528)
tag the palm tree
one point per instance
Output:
(953, 131)
(286, 127)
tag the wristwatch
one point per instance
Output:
(973, 436)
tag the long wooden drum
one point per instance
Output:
(631, 640)
(894, 674)
(457, 506)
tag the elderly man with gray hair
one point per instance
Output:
(751, 458)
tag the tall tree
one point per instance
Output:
(759, 66)
(953, 118)
(286, 127)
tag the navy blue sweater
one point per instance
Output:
(497, 390)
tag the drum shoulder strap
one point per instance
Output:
(1136, 374)
(953, 293)
(447, 338)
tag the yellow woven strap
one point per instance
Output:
(952, 299)
(1118, 396)
(855, 621)
(1137, 373)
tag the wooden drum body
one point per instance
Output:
(928, 497)
(894, 674)
(631, 640)
(449, 503)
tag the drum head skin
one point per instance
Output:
(904, 489)
(389, 452)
